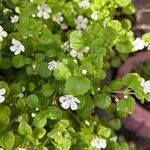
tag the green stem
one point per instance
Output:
(75, 117)
(122, 92)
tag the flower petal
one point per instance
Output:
(2, 98)
(65, 104)
(73, 105)
(2, 91)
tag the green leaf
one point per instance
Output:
(15, 1)
(109, 35)
(43, 70)
(146, 37)
(103, 101)
(77, 40)
(7, 140)
(46, 37)
(54, 112)
(39, 57)
(104, 132)
(61, 72)
(25, 129)
(39, 132)
(18, 61)
(32, 101)
(5, 110)
(123, 3)
(4, 120)
(4, 85)
(47, 90)
(39, 121)
(115, 24)
(5, 63)
(77, 85)
(115, 124)
(126, 106)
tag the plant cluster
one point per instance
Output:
(53, 56)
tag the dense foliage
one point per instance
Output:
(53, 56)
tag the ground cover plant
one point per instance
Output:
(53, 57)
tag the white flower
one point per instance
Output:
(99, 143)
(2, 92)
(84, 4)
(43, 11)
(17, 47)
(69, 101)
(139, 44)
(87, 122)
(33, 115)
(1, 149)
(52, 65)
(94, 15)
(84, 71)
(37, 109)
(14, 19)
(19, 119)
(81, 22)
(58, 18)
(86, 49)
(2, 34)
(75, 54)
(146, 85)
(64, 26)
(65, 46)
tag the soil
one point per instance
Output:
(141, 22)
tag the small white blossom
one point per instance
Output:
(2, 92)
(59, 133)
(114, 139)
(23, 89)
(43, 11)
(75, 54)
(17, 47)
(84, 4)
(58, 18)
(81, 22)
(1, 149)
(37, 109)
(64, 26)
(87, 122)
(2, 34)
(80, 55)
(99, 143)
(146, 85)
(19, 119)
(33, 115)
(98, 89)
(84, 71)
(69, 101)
(139, 44)
(20, 95)
(65, 46)
(14, 19)
(52, 65)
(31, 1)
(86, 49)
(94, 15)
(33, 15)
